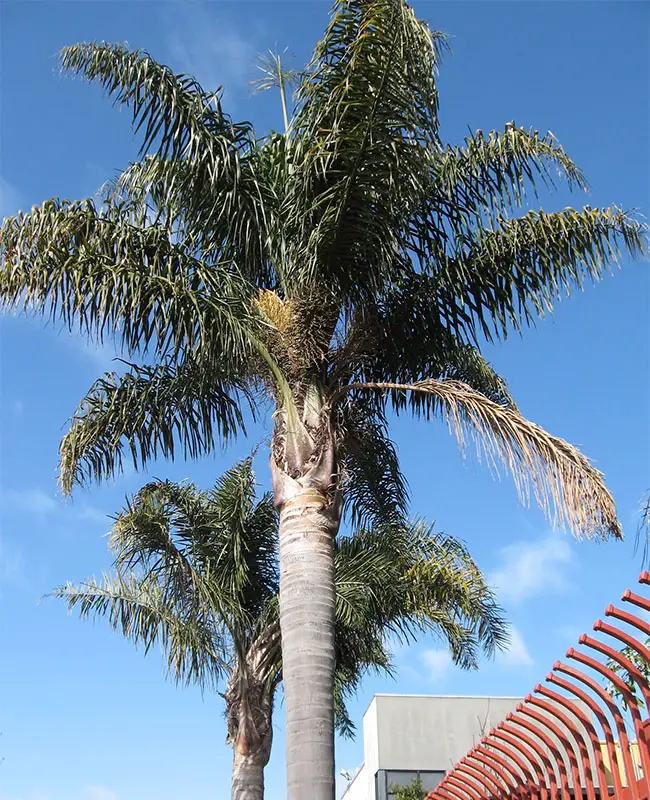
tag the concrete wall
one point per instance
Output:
(433, 732)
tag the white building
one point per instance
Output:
(409, 735)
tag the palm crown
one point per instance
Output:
(347, 266)
(302, 263)
(197, 572)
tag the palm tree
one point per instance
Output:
(197, 572)
(344, 268)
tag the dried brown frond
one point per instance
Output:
(565, 484)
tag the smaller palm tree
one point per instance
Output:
(197, 572)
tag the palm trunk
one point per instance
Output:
(308, 526)
(248, 775)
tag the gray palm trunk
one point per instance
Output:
(309, 521)
(250, 731)
(248, 772)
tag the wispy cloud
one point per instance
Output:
(437, 664)
(531, 568)
(30, 501)
(40, 504)
(210, 47)
(517, 654)
(99, 793)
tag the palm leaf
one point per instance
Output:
(109, 272)
(510, 274)
(362, 135)
(196, 651)
(151, 411)
(568, 488)
(492, 173)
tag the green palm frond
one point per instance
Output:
(375, 490)
(364, 134)
(109, 272)
(150, 411)
(197, 651)
(400, 580)
(491, 173)
(175, 114)
(514, 272)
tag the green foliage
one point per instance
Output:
(196, 572)
(413, 791)
(640, 664)
(390, 254)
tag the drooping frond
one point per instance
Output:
(375, 490)
(514, 272)
(568, 488)
(400, 580)
(110, 273)
(362, 137)
(151, 411)
(178, 118)
(197, 651)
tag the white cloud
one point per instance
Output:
(210, 48)
(437, 663)
(32, 501)
(99, 793)
(531, 568)
(40, 504)
(517, 654)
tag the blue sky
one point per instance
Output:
(83, 715)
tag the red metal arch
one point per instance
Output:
(525, 743)
(515, 748)
(524, 756)
(601, 717)
(588, 727)
(578, 738)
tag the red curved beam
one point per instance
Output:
(529, 779)
(620, 684)
(559, 733)
(607, 701)
(464, 786)
(515, 748)
(447, 794)
(481, 774)
(465, 776)
(513, 782)
(575, 731)
(572, 708)
(565, 792)
(628, 641)
(471, 770)
(604, 723)
(629, 597)
(513, 730)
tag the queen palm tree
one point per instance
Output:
(344, 268)
(197, 572)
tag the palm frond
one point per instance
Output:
(568, 488)
(492, 173)
(176, 115)
(109, 272)
(197, 651)
(150, 411)
(363, 134)
(514, 272)
(374, 489)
